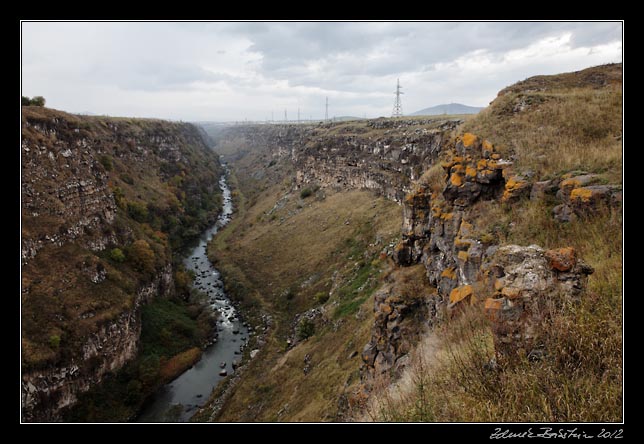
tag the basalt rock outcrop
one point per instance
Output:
(90, 185)
(525, 284)
(514, 283)
(381, 155)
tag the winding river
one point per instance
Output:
(179, 400)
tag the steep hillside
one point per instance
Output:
(517, 216)
(500, 302)
(106, 205)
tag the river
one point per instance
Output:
(179, 400)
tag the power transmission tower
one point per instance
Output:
(397, 103)
(285, 116)
(326, 113)
(298, 115)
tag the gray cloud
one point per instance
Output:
(246, 69)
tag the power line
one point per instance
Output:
(397, 112)
(326, 113)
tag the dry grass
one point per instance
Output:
(559, 130)
(451, 379)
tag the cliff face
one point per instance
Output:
(47, 391)
(105, 202)
(380, 155)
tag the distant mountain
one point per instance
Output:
(452, 108)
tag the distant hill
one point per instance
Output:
(451, 108)
(346, 118)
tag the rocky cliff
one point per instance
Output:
(105, 203)
(381, 155)
(441, 231)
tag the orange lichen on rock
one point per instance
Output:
(449, 273)
(495, 156)
(456, 179)
(582, 194)
(488, 146)
(562, 259)
(513, 187)
(458, 168)
(385, 308)
(481, 164)
(460, 293)
(469, 171)
(468, 139)
(447, 216)
(462, 255)
(572, 183)
(511, 292)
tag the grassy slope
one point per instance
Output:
(573, 122)
(284, 260)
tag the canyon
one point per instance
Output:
(351, 244)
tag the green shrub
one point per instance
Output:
(54, 341)
(127, 179)
(106, 161)
(305, 329)
(322, 297)
(138, 211)
(38, 101)
(134, 392)
(142, 256)
(306, 192)
(35, 101)
(117, 255)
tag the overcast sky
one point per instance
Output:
(238, 70)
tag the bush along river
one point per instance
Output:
(180, 399)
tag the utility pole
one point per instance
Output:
(397, 112)
(272, 117)
(326, 113)
(298, 115)
(285, 116)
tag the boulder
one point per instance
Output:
(531, 281)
